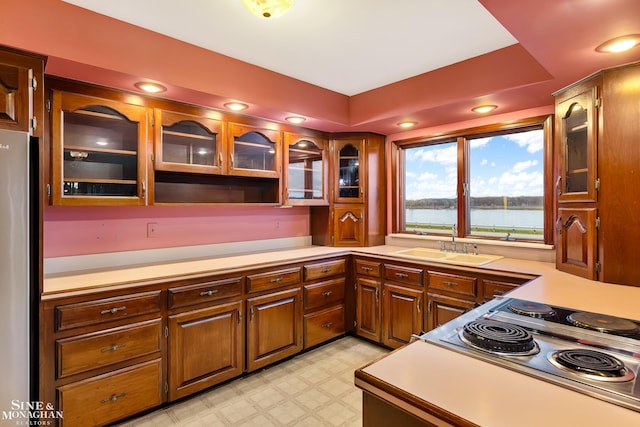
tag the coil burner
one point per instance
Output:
(531, 309)
(592, 364)
(499, 338)
(603, 323)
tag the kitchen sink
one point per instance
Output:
(426, 254)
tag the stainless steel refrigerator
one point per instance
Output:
(18, 261)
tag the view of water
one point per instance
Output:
(525, 218)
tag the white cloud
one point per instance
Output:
(532, 140)
(484, 162)
(520, 166)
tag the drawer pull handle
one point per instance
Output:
(276, 280)
(327, 325)
(447, 283)
(114, 310)
(112, 348)
(327, 293)
(113, 398)
(402, 275)
(208, 293)
(365, 268)
(326, 270)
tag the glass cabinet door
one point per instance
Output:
(187, 143)
(306, 174)
(349, 171)
(577, 180)
(98, 151)
(253, 151)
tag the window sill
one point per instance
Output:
(519, 250)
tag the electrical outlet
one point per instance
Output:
(277, 225)
(152, 229)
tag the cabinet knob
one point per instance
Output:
(327, 293)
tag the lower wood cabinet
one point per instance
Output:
(206, 347)
(96, 401)
(112, 354)
(442, 309)
(401, 314)
(368, 308)
(274, 327)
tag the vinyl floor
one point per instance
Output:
(312, 389)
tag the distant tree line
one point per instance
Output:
(503, 202)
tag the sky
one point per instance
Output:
(507, 165)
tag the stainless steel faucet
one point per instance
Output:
(454, 231)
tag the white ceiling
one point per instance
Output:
(348, 46)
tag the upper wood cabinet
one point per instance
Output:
(98, 151)
(20, 78)
(186, 143)
(577, 124)
(357, 213)
(598, 142)
(306, 170)
(253, 151)
(349, 169)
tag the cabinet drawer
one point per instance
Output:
(323, 325)
(100, 400)
(91, 351)
(408, 275)
(368, 268)
(273, 279)
(322, 270)
(103, 310)
(202, 292)
(463, 285)
(493, 288)
(323, 293)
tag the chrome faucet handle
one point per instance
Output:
(475, 249)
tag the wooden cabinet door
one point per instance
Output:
(274, 327)
(348, 225)
(306, 170)
(577, 242)
(401, 314)
(98, 151)
(186, 143)
(577, 124)
(20, 78)
(368, 308)
(442, 309)
(205, 348)
(253, 152)
(348, 171)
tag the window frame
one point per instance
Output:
(461, 137)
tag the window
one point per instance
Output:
(481, 183)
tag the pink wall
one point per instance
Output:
(90, 230)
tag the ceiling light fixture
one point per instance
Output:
(483, 109)
(296, 120)
(150, 87)
(235, 106)
(406, 124)
(268, 8)
(619, 44)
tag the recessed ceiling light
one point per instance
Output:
(619, 44)
(407, 124)
(236, 106)
(150, 87)
(296, 120)
(483, 109)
